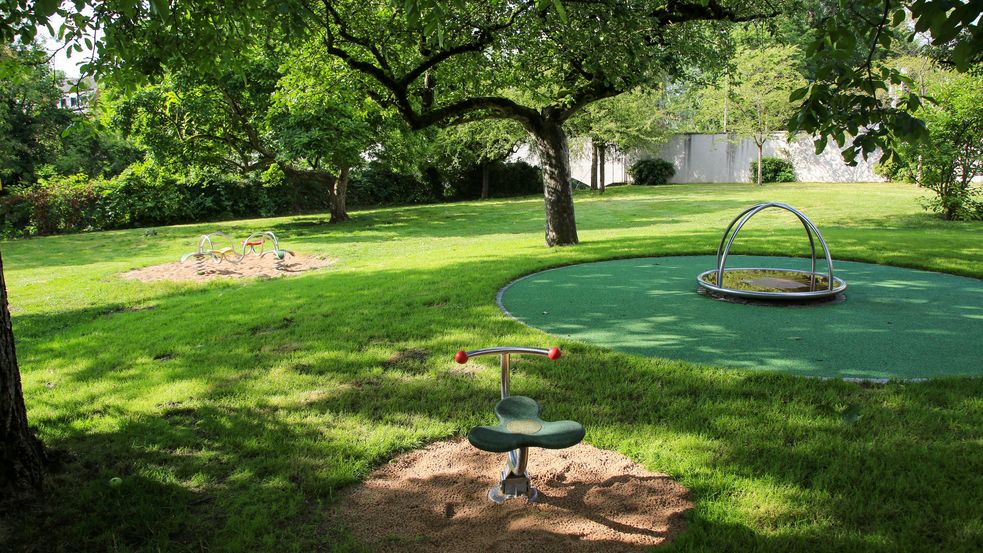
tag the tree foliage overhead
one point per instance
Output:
(436, 63)
(537, 62)
(844, 97)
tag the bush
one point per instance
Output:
(895, 170)
(54, 204)
(377, 183)
(505, 180)
(149, 195)
(773, 169)
(651, 171)
(953, 154)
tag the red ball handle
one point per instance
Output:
(461, 357)
(554, 354)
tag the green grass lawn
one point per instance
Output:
(235, 411)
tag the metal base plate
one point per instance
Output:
(512, 486)
(838, 287)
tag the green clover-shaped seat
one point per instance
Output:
(520, 426)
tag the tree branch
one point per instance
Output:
(495, 107)
(485, 38)
(345, 34)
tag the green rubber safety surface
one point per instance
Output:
(895, 323)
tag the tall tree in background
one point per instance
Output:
(31, 122)
(482, 143)
(635, 120)
(757, 94)
(294, 118)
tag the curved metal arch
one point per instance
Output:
(207, 247)
(747, 214)
(265, 235)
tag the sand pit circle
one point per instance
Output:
(590, 500)
(251, 266)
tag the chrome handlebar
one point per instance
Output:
(506, 352)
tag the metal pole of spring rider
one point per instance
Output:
(518, 459)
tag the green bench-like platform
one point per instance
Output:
(521, 426)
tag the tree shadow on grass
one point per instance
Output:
(278, 394)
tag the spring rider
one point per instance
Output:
(520, 427)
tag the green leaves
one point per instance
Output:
(821, 144)
(799, 94)
(161, 8)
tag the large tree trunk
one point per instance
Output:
(593, 164)
(485, 184)
(339, 205)
(336, 188)
(21, 454)
(602, 150)
(561, 223)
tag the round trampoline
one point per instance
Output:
(894, 323)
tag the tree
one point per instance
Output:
(756, 94)
(480, 143)
(953, 154)
(21, 453)
(844, 98)
(500, 60)
(30, 120)
(269, 113)
(439, 63)
(634, 120)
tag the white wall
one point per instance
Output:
(724, 158)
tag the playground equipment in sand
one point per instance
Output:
(520, 427)
(254, 244)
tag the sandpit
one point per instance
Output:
(590, 500)
(251, 266)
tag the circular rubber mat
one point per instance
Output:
(894, 322)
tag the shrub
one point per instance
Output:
(505, 179)
(651, 171)
(953, 154)
(377, 183)
(53, 204)
(146, 194)
(895, 170)
(773, 169)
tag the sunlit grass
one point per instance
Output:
(235, 411)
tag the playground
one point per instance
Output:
(894, 323)
(258, 255)
(331, 410)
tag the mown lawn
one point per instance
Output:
(235, 411)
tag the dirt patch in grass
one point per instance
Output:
(250, 266)
(590, 500)
(411, 356)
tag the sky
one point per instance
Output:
(61, 61)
